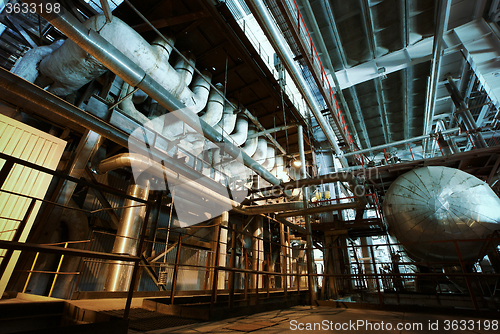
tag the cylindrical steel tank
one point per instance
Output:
(440, 203)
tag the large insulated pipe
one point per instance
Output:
(27, 67)
(464, 112)
(127, 237)
(127, 70)
(147, 165)
(280, 46)
(261, 151)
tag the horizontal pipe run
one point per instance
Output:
(270, 208)
(328, 178)
(273, 130)
(146, 165)
(401, 142)
(127, 70)
(319, 209)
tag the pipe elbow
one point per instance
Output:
(240, 135)
(215, 106)
(261, 151)
(250, 145)
(270, 157)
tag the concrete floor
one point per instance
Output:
(370, 321)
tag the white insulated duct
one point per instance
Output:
(228, 122)
(27, 66)
(270, 157)
(261, 152)
(239, 135)
(215, 106)
(70, 67)
(251, 144)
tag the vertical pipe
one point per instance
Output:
(257, 226)
(224, 219)
(119, 273)
(380, 299)
(289, 255)
(305, 195)
(367, 264)
(232, 265)
(135, 269)
(465, 114)
(283, 259)
(216, 271)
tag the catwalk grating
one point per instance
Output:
(144, 320)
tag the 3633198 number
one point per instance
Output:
(454, 325)
(31, 8)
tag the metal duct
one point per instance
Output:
(130, 72)
(127, 238)
(440, 203)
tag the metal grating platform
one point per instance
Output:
(144, 320)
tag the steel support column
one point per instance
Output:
(309, 245)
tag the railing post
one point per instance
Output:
(57, 271)
(467, 280)
(176, 270)
(31, 271)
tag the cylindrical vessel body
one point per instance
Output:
(432, 204)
